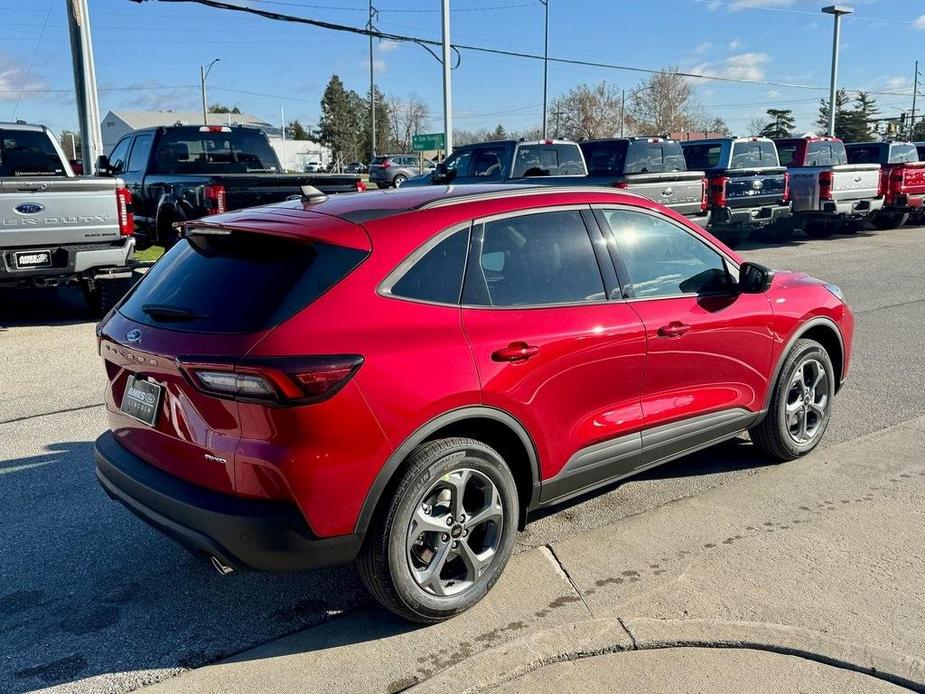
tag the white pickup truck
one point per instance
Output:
(55, 227)
(829, 194)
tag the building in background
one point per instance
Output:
(294, 155)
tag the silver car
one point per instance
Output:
(391, 170)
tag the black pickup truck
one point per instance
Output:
(651, 166)
(184, 172)
(748, 188)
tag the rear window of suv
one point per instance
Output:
(237, 283)
(28, 153)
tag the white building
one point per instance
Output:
(292, 154)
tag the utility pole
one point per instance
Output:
(915, 91)
(373, 13)
(836, 11)
(545, 64)
(203, 76)
(88, 105)
(622, 111)
(282, 131)
(447, 82)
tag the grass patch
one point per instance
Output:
(150, 254)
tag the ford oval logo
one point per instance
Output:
(757, 184)
(29, 208)
(133, 335)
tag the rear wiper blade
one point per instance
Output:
(166, 313)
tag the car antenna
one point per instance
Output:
(312, 194)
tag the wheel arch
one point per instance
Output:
(494, 427)
(824, 331)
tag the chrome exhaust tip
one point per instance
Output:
(221, 566)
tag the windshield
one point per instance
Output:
(192, 152)
(548, 160)
(265, 278)
(28, 153)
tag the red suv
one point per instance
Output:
(403, 376)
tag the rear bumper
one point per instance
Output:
(906, 203)
(701, 219)
(66, 261)
(748, 217)
(243, 533)
(843, 208)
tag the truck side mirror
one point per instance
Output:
(754, 278)
(103, 167)
(442, 174)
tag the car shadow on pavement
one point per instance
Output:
(42, 306)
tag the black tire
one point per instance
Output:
(398, 180)
(773, 434)
(166, 234)
(853, 226)
(384, 563)
(103, 295)
(780, 231)
(819, 229)
(889, 220)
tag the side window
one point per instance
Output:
(138, 161)
(534, 260)
(459, 162)
(488, 163)
(662, 259)
(702, 156)
(119, 156)
(437, 275)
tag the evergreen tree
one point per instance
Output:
(859, 123)
(340, 125)
(296, 131)
(841, 114)
(384, 142)
(780, 123)
(499, 133)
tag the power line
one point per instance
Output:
(360, 31)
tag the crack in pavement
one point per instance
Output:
(568, 576)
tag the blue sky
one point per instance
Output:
(147, 55)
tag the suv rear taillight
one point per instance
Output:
(386, 163)
(215, 201)
(274, 380)
(704, 195)
(825, 185)
(623, 185)
(361, 185)
(785, 198)
(125, 212)
(897, 181)
(718, 191)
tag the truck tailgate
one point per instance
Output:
(855, 181)
(755, 187)
(913, 178)
(682, 191)
(44, 211)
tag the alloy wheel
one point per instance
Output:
(806, 407)
(454, 532)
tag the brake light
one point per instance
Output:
(386, 163)
(825, 185)
(214, 199)
(897, 180)
(125, 212)
(704, 194)
(361, 185)
(276, 380)
(214, 129)
(718, 191)
(786, 197)
(548, 141)
(621, 184)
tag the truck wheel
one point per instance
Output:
(445, 534)
(780, 231)
(398, 180)
(852, 227)
(889, 220)
(166, 234)
(102, 295)
(817, 229)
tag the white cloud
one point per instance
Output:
(919, 23)
(746, 4)
(387, 46)
(735, 45)
(378, 65)
(702, 48)
(14, 77)
(772, 94)
(744, 66)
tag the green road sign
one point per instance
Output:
(428, 142)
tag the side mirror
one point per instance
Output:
(103, 167)
(754, 278)
(442, 174)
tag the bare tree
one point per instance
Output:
(587, 112)
(665, 103)
(757, 124)
(407, 117)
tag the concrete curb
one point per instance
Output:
(612, 635)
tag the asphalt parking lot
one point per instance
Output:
(94, 600)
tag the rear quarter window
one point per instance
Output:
(239, 283)
(436, 276)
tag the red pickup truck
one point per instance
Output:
(902, 179)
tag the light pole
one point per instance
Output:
(545, 63)
(447, 83)
(836, 11)
(88, 105)
(204, 71)
(373, 13)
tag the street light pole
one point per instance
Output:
(372, 84)
(447, 83)
(915, 92)
(545, 64)
(836, 11)
(203, 75)
(622, 110)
